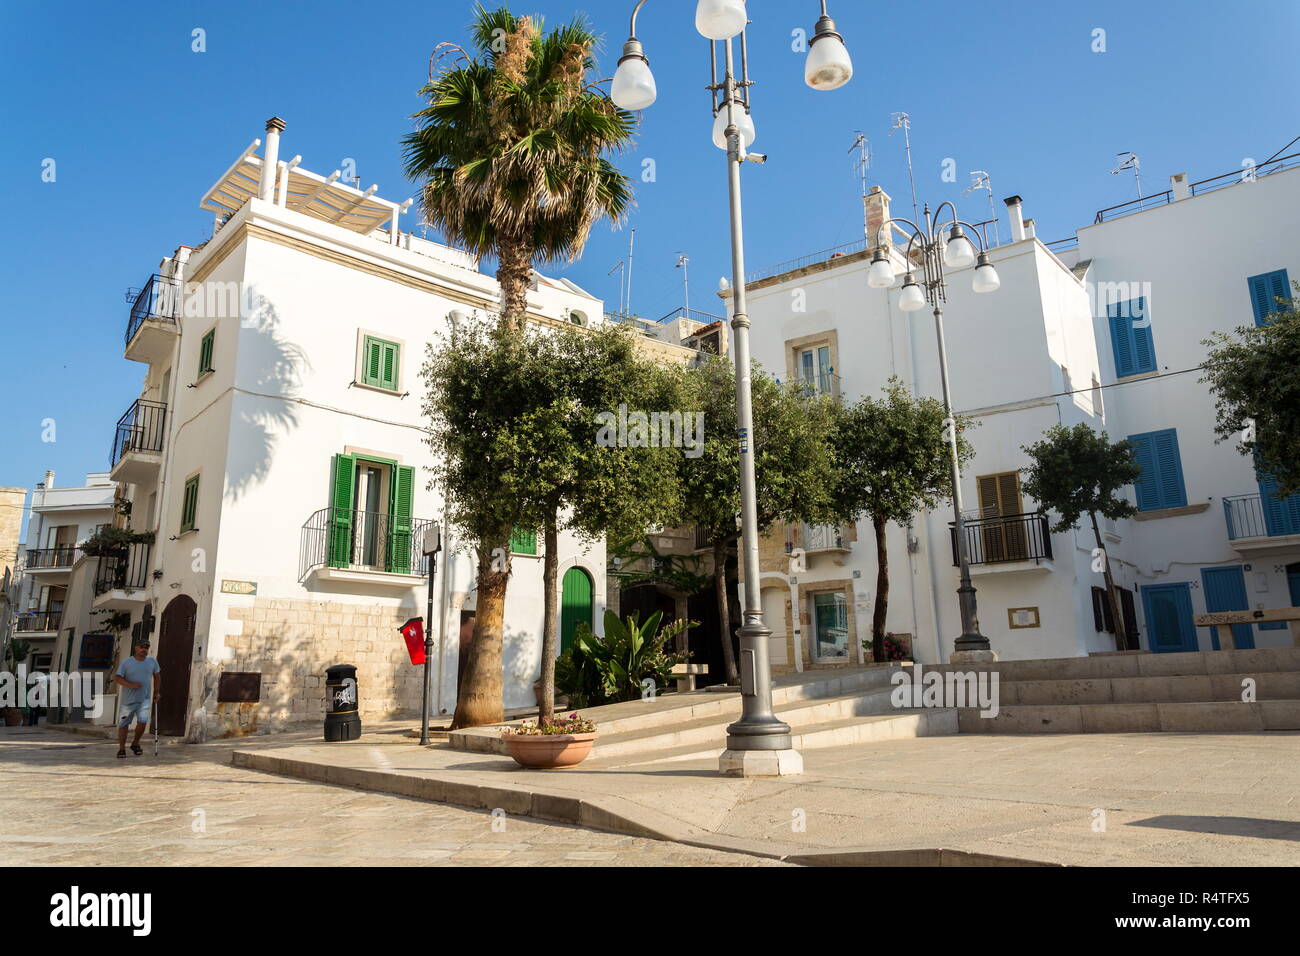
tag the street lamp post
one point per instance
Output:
(935, 251)
(758, 744)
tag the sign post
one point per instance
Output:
(1228, 618)
(430, 545)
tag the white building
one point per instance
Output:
(277, 455)
(1038, 352)
(54, 585)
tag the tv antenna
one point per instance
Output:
(980, 180)
(683, 263)
(621, 268)
(862, 166)
(1129, 160)
(904, 122)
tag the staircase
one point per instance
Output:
(1197, 692)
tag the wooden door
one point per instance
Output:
(175, 652)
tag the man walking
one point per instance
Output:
(137, 675)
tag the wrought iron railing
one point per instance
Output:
(141, 429)
(1251, 516)
(822, 537)
(822, 383)
(35, 621)
(362, 541)
(160, 299)
(43, 559)
(126, 570)
(999, 540)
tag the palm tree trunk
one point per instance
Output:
(1116, 613)
(514, 273)
(550, 569)
(881, 610)
(479, 699)
(724, 609)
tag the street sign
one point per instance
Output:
(431, 543)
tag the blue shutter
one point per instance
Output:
(1161, 484)
(1225, 590)
(1134, 347)
(1265, 289)
(1120, 341)
(1281, 515)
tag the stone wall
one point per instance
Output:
(11, 526)
(291, 643)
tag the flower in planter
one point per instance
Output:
(558, 726)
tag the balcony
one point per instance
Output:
(362, 547)
(1006, 543)
(1261, 527)
(153, 326)
(38, 622)
(138, 443)
(121, 578)
(822, 383)
(59, 558)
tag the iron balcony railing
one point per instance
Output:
(160, 299)
(822, 537)
(1002, 539)
(362, 541)
(822, 383)
(1251, 516)
(35, 621)
(43, 559)
(141, 429)
(1199, 188)
(126, 570)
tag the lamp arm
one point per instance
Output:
(635, 11)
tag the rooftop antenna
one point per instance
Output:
(1129, 160)
(980, 180)
(862, 165)
(631, 249)
(904, 122)
(683, 263)
(621, 268)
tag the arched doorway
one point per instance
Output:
(575, 604)
(175, 651)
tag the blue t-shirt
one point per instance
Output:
(138, 672)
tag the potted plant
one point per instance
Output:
(561, 742)
(18, 649)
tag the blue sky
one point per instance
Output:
(140, 126)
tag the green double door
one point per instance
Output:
(576, 604)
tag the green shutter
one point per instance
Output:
(342, 483)
(399, 517)
(205, 352)
(190, 504)
(523, 542)
(381, 363)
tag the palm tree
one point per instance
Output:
(512, 155)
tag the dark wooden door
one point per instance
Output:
(175, 652)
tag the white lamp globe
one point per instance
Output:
(959, 252)
(828, 66)
(720, 19)
(634, 85)
(881, 273)
(912, 298)
(986, 277)
(744, 122)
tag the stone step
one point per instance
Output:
(846, 731)
(1274, 685)
(1192, 663)
(1130, 718)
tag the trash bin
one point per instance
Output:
(342, 720)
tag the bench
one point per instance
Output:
(686, 674)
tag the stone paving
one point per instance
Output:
(67, 800)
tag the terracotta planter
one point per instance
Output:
(13, 717)
(547, 752)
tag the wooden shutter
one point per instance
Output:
(380, 363)
(1265, 290)
(190, 504)
(205, 351)
(399, 517)
(1170, 466)
(342, 488)
(1000, 498)
(374, 351)
(1133, 344)
(523, 542)
(388, 366)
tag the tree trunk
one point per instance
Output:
(479, 699)
(514, 273)
(724, 609)
(1112, 597)
(550, 568)
(881, 609)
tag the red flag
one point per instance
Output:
(413, 631)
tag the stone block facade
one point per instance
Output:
(291, 643)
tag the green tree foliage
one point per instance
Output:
(1254, 374)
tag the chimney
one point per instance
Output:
(1178, 183)
(1030, 230)
(1017, 220)
(49, 480)
(877, 203)
(270, 158)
